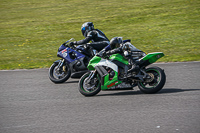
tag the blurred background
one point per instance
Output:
(32, 31)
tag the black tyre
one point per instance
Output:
(155, 83)
(89, 88)
(59, 76)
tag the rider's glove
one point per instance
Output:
(103, 53)
(86, 46)
(72, 43)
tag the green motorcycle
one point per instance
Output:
(112, 71)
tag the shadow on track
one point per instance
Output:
(138, 92)
(175, 90)
(68, 82)
(125, 92)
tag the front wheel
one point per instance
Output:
(59, 75)
(155, 82)
(89, 86)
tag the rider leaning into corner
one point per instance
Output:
(98, 38)
(130, 52)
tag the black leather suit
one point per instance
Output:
(114, 51)
(98, 38)
(131, 49)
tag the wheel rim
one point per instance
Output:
(57, 74)
(152, 82)
(90, 87)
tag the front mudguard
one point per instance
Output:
(57, 61)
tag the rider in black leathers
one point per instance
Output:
(126, 49)
(98, 38)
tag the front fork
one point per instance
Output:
(89, 80)
(60, 65)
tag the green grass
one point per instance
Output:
(31, 31)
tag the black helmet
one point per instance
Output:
(86, 27)
(115, 42)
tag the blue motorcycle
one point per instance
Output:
(73, 63)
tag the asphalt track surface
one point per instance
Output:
(31, 103)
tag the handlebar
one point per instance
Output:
(74, 46)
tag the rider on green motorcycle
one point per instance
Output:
(125, 48)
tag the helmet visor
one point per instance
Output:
(83, 30)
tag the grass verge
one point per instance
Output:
(31, 31)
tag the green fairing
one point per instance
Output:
(93, 62)
(153, 57)
(114, 81)
(109, 83)
(119, 57)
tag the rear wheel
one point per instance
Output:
(155, 82)
(89, 87)
(57, 74)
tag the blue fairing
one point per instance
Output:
(67, 53)
(61, 48)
